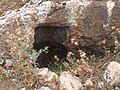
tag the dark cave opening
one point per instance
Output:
(53, 37)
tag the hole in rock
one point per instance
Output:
(94, 49)
(54, 38)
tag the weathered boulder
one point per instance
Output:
(46, 74)
(47, 19)
(89, 22)
(112, 73)
(41, 72)
(89, 82)
(49, 79)
(69, 82)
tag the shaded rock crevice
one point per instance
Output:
(54, 38)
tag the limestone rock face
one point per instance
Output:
(69, 82)
(88, 21)
(94, 19)
(112, 73)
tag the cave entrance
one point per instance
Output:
(53, 37)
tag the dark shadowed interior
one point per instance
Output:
(53, 38)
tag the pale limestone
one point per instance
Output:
(112, 73)
(69, 82)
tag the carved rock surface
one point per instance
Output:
(89, 22)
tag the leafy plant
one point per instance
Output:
(57, 69)
(23, 69)
(34, 55)
(91, 59)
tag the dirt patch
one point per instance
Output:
(7, 85)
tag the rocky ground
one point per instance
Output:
(99, 74)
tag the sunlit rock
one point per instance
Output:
(112, 73)
(69, 82)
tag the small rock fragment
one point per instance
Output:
(44, 88)
(100, 84)
(69, 82)
(23, 89)
(112, 73)
(41, 71)
(9, 62)
(51, 76)
(45, 73)
(89, 82)
(14, 80)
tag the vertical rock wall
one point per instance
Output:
(90, 21)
